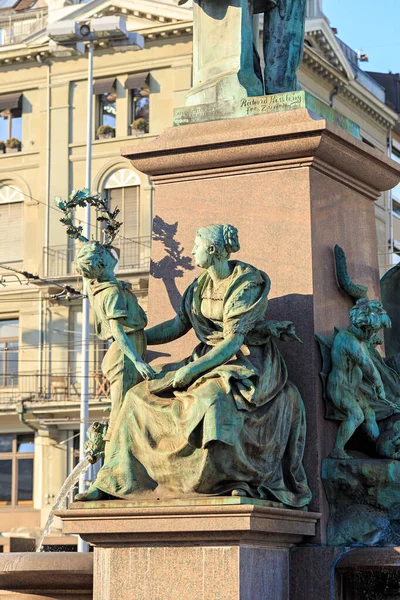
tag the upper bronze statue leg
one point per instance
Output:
(283, 45)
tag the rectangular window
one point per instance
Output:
(11, 119)
(5, 482)
(25, 481)
(6, 443)
(140, 103)
(16, 469)
(138, 85)
(11, 125)
(396, 209)
(9, 331)
(127, 200)
(108, 109)
(11, 228)
(396, 154)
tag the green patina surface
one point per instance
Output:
(364, 501)
(259, 105)
(361, 389)
(362, 392)
(226, 40)
(159, 502)
(117, 314)
(224, 421)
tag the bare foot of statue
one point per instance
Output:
(340, 454)
(93, 493)
(239, 493)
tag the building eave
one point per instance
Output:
(20, 53)
(329, 46)
(370, 104)
(352, 89)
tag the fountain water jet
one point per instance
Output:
(68, 484)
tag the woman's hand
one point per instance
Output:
(144, 369)
(183, 377)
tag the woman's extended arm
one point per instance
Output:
(219, 355)
(166, 332)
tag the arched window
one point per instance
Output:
(11, 223)
(123, 191)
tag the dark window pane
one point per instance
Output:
(25, 481)
(6, 443)
(26, 442)
(5, 482)
(76, 442)
(12, 363)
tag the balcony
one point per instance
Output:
(51, 388)
(15, 28)
(134, 254)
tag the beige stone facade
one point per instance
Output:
(45, 94)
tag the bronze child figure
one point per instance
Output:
(117, 313)
(351, 367)
(118, 317)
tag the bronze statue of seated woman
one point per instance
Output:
(226, 420)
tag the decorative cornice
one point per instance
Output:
(350, 89)
(21, 53)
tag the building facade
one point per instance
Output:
(43, 93)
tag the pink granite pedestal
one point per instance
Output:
(294, 186)
(206, 549)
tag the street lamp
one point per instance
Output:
(65, 36)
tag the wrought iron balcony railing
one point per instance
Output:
(17, 27)
(52, 388)
(133, 254)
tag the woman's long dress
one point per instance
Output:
(238, 426)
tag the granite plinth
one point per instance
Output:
(214, 521)
(46, 576)
(263, 105)
(299, 186)
(206, 549)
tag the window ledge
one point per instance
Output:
(13, 509)
(16, 154)
(125, 138)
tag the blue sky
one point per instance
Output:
(370, 26)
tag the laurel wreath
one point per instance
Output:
(82, 198)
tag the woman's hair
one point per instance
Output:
(224, 238)
(97, 259)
